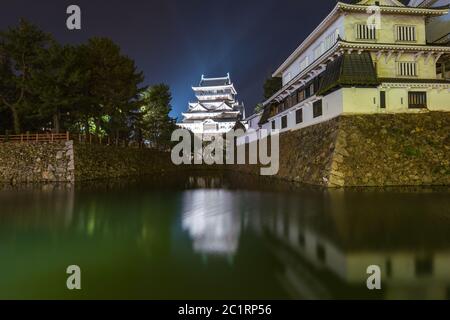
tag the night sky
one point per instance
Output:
(176, 41)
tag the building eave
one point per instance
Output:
(388, 46)
(341, 46)
(346, 7)
(332, 16)
(228, 86)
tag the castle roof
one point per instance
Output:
(215, 82)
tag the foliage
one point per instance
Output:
(271, 86)
(156, 124)
(259, 107)
(91, 87)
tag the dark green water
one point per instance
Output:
(216, 237)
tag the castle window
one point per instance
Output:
(317, 108)
(283, 122)
(299, 116)
(424, 266)
(273, 125)
(365, 32)
(417, 100)
(304, 64)
(311, 89)
(406, 33)
(295, 98)
(301, 95)
(407, 69)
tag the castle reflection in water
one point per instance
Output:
(320, 242)
(326, 240)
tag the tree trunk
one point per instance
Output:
(16, 120)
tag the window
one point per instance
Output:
(330, 40)
(317, 108)
(287, 77)
(424, 266)
(299, 116)
(407, 69)
(365, 32)
(301, 95)
(417, 100)
(294, 99)
(304, 64)
(318, 51)
(283, 122)
(406, 33)
(383, 99)
(311, 89)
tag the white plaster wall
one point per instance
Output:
(439, 99)
(387, 33)
(360, 100)
(294, 68)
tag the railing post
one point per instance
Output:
(37, 137)
(52, 137)
(67, 136)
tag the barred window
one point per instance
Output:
(407, 69)
(299, 116)
(406, 33)
(317, 108)
(417, 100)
(365, 32)
(301, 95)
(304, 64)
(283, 122)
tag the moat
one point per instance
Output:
(222, 236)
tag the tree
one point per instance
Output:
(113, 85)
(59, 85)
(20, 54)
(156, 124)
(272, 86)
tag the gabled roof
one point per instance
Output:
(197, 107)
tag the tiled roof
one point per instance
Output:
(352, 69)
(214, 82)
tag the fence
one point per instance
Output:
(77, 138)
(35, 137)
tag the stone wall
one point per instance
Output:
(69, 162)
(351, 150)
(368, 150)
(37, 162)
(100, 162)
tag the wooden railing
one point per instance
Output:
(106, 141)
(77, 138)
(35, 137)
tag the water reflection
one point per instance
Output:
(149, 239)
(212, 221)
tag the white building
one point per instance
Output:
(365, 57)
(216, 110)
